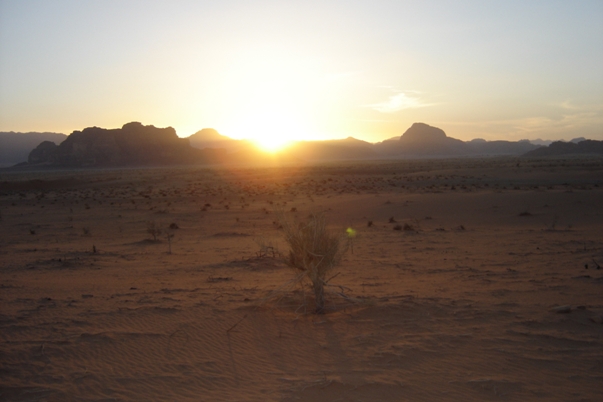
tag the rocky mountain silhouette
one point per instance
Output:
(345, 149)
(132, 145)
(569, 148)
(211, 138)
(137, 145)
(420, 140)
(246, 151)
(15, 147)
(540, 141)
(423, 140)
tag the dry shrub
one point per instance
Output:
(314, 252)
(409, 228)
(154, 229)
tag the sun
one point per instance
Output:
(269, 100)
(271, 127)
(272, 143)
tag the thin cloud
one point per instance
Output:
(399, 101)
(567, 105)
(566, 125)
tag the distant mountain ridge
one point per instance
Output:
(211, 138)
(420, 140)
(15, 147)
(569, 148)
(423, 140)
(131, 145)
(137, 145)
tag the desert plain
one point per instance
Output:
(466, 280)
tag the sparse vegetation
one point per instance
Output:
(409, 228)
(267, 248)
(169, 236)
(154, 229)
(553, 224)
(314, 252)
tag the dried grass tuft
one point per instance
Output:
(314, 251)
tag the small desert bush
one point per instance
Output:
(409, 228)
(267, 248)
(314, 251)
(154, 229)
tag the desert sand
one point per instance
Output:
(489, 291)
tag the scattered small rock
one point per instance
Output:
(562, 309)
(597, 319)
(213, 279)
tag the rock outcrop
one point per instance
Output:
(42, 153)
(131, 145)
(15, 147)
(211, 138)
(423, 140)
(569, 148)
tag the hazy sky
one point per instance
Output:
(305, 69)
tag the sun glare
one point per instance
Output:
(272, 143)
(271, 127)
(270, 99)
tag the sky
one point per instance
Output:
(329, 69)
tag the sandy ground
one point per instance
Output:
(456, 306)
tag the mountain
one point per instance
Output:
(542, 142)
(15, 147)
(546, 143)
(422, 140)
(210, 138)
(207, 135)
(500, 147)
(137, 145)
(568, 148)
(246, 151)
(131, 145)
(348, 148)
